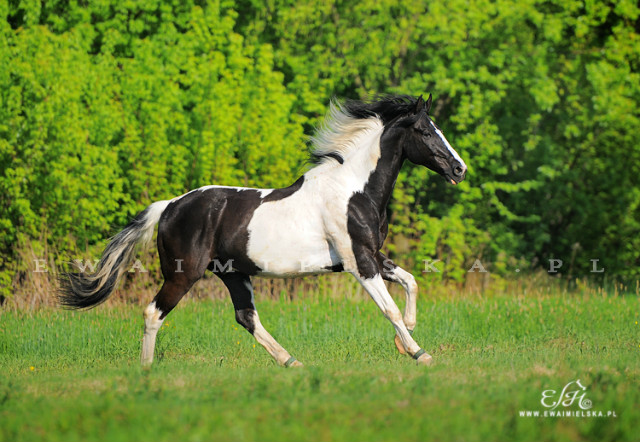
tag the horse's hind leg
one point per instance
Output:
(241, 291)
(166, 299)
(184, 257)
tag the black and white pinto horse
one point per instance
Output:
(332, 219)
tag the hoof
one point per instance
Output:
(399, 345)
(425, 359)
(293, 362)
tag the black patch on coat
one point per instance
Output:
(386, 266)
(336, 268)
(241, 292)
(366, 213)
(203, 227)
(279, 194)
(363, 225)
(245, 318)
(212, 224)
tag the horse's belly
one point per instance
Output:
(287, 253)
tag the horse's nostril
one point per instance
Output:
(457, 171)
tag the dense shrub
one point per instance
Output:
(110, 105)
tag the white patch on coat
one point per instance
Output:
(306, 232)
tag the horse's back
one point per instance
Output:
(265, 231)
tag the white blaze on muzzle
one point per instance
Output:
(451, 149)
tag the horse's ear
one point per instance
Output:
(419, 105)
(428, 102)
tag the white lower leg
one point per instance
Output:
(410, 286)
(152, 324)
(379, 293)
(265, 339)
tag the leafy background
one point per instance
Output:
(109, 105)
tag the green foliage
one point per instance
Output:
(105, 111)
(108, 106)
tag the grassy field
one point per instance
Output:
(74, 376)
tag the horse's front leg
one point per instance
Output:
(391, 272)
(374, 285)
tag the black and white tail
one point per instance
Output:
(80, 290)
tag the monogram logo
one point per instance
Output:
(574, 391)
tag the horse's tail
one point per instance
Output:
(80, 290)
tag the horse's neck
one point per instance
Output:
(382, 180)
(371, 169)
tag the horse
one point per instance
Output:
(331, 219)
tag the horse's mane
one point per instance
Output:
(346, 120)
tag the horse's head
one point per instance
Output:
(426, 145)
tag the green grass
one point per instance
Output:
(75, 375)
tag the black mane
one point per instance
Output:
(386, 107)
